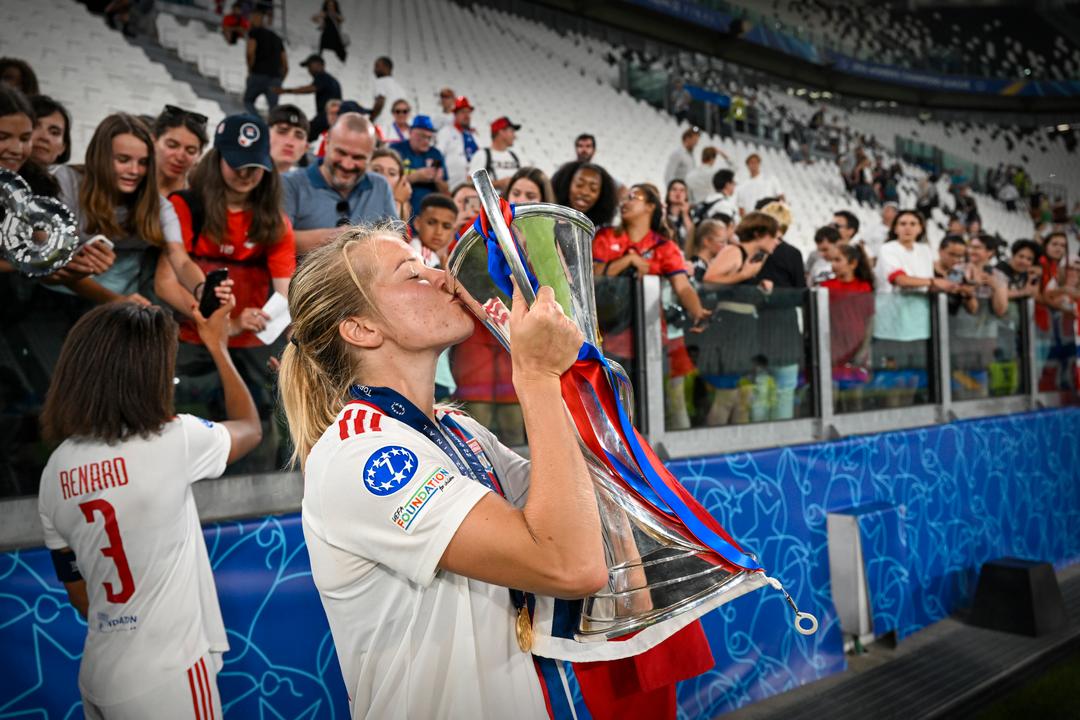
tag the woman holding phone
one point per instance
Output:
(231, 219)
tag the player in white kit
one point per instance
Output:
(119, 516)
(409, 511)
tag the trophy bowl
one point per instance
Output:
(659, 577)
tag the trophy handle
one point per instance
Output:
(489, 201)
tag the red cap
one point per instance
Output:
(462, 103)
(503, 122)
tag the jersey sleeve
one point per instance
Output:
(394, 502)
(207, 450)
(602, 246)
(889, 263)
(671, 259)
(281, 256)
(183, 216)
(170, 224)
(46, 497)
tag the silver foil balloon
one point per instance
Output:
(38, 235)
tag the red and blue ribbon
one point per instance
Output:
(498, 268)
(651, 482)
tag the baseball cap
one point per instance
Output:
(462, 103)
(313, 57)
(422, 122)
(501, 123)
(290, 115)
(244, 141)
(348, 106)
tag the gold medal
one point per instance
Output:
(524, 629)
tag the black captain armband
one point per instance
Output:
(67, 570)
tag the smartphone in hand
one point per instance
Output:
(103, 240)
(210, 302)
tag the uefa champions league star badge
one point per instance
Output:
(389, 469)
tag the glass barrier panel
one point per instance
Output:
(986, 356)
(1055, 348)
(481, 374)
(748, 364)
(901, 360)
(851, 336)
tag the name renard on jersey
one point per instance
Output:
(93, 477)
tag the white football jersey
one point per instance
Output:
(128, 513)
(381, 503)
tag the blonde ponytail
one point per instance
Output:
(318, 367)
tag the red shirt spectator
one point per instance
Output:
(664, 256)
(251, 265)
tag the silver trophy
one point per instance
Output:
(37, 234)
(656, 575)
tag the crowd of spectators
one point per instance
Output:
(177, 195)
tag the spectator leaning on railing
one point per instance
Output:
(115, 194)
(725, 351)
(851, 322)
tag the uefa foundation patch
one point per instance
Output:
(406, 515)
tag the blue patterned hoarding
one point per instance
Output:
(965, 493)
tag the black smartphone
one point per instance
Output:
(210, 302)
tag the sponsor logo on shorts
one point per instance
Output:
(407, 513)
(106, 624)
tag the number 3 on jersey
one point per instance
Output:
(114, 550)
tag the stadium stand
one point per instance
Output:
(1014, 43)
(94, 71)
(564, 84)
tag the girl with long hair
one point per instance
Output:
(529, 185)
(677, 212)
(17, 128)
(904, 275)
(851, 323)
(642, 245)
(115, 194)
(127, 544)
(416, 518)
(231, 218)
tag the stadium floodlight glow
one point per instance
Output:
(1063, 127)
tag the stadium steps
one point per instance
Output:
(948, 670)
(206, 88)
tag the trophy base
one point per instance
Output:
(612, 615)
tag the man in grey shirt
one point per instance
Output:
(338, 191)
(681, 161)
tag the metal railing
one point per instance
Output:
(825, 423)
